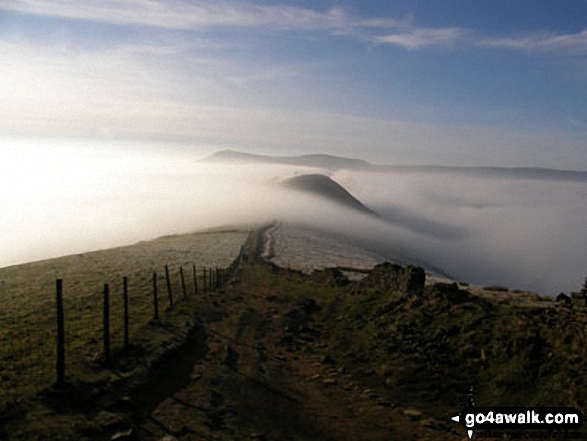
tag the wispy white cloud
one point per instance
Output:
(415, 38)
(198, 14)
(412, 37)
(168, 90)
(563, 43)
(194, 14)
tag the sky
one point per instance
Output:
(458, 82)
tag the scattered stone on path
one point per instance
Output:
(128, 435)
(386, 404)
(110, 421)
(412, 415)
(432, 423)
(327, 359)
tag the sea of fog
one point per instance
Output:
(60, 198)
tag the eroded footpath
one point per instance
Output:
(265, 372)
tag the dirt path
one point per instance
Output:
(262, 372)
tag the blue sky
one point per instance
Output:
(489, 82)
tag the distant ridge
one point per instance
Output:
(334, 163)
(322, 185)
(236, 156)
(328, 162)
(325, 161)
(490, 172)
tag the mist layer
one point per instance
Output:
(62, 199)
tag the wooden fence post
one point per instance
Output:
(60, 334)
(195, 280)
(210, 279)
(106, 324)
(168, 286)
(185, 294)
(155, 299)
(125, 302)
(204, 282)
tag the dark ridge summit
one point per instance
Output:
(323, 186)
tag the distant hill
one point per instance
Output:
(235, 156)
(334, 163)
(322, 185)
(325, 161)
(328, 162)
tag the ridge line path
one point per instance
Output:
(261, 371)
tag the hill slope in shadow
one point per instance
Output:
(324, 186)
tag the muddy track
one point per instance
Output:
(263, 372)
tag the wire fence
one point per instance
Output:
(74, 332)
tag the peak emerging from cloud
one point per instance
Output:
(324, 186)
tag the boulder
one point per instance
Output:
(389, 278)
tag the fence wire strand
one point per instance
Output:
(28, 340)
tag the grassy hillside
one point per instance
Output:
(278, 354)
(318, 357)
(28, 317)
(429, 345)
